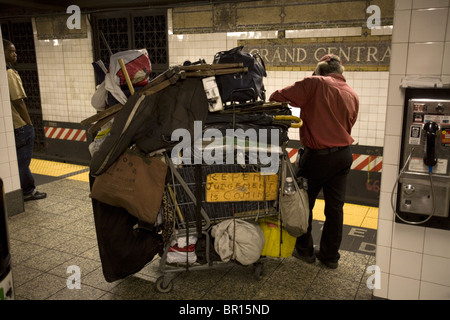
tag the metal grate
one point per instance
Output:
(218, 210)
(132, 30)
(21, 35)
(150, 33)
(116, 33)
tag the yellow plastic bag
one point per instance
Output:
(276, 246)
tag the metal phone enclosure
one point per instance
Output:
(414, 196)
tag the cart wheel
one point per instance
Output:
(160, 285)
(258, 270)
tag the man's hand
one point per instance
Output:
(22, 110)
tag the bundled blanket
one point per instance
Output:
(238, 240)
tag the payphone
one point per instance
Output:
(423, 184)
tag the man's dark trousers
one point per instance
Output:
(327, 170)
(24, 137)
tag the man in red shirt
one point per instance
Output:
(329, 108)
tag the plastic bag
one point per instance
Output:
(295, 208)
(238, 240)
(138, 67)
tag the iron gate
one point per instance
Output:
(132, 30)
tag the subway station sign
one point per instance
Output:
(357, 55)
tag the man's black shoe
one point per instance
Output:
(307, 259)
(35, 195)
(327, 263)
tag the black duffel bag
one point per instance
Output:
(241, 88)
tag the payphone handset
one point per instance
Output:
(430, 150)
(423, 184)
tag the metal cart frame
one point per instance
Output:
(182, 201)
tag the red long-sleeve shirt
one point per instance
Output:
(329, 108)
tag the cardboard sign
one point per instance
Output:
(241, 186)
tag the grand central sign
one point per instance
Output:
(355, 55)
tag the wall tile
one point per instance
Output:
(394, 116)
(425, 58)
(65, 69)
(4, 155)
(428, 25)
(402, 19)
(383, 258)
(446, 63)
(432, 291)
(436, 270)
(8, 184)
(406, 263)
(4, 168)
(390, 173)
(396, 94)
(446, 79)
(385, 211)
(408, 237)
(399, 58)
(10, 139)
(12, 155)
(447, 37)
(383, 30)
(403, 4)
(401, 288)
(436, 242)
(423, 4)
(391, 150)
(384, 233)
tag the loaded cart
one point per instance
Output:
(213, 174)
(216, 207)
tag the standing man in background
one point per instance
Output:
(23, 127)
(329, 108)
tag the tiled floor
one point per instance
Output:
(58, 232)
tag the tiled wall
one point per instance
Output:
(8, 159)
(66, 78)
(414, 261)
(67, 82)
(370, 86)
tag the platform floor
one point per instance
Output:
(58, 232)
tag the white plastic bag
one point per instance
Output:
(294, 208)
(138, 67)
(100, 97)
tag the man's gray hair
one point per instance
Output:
(329, 63)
